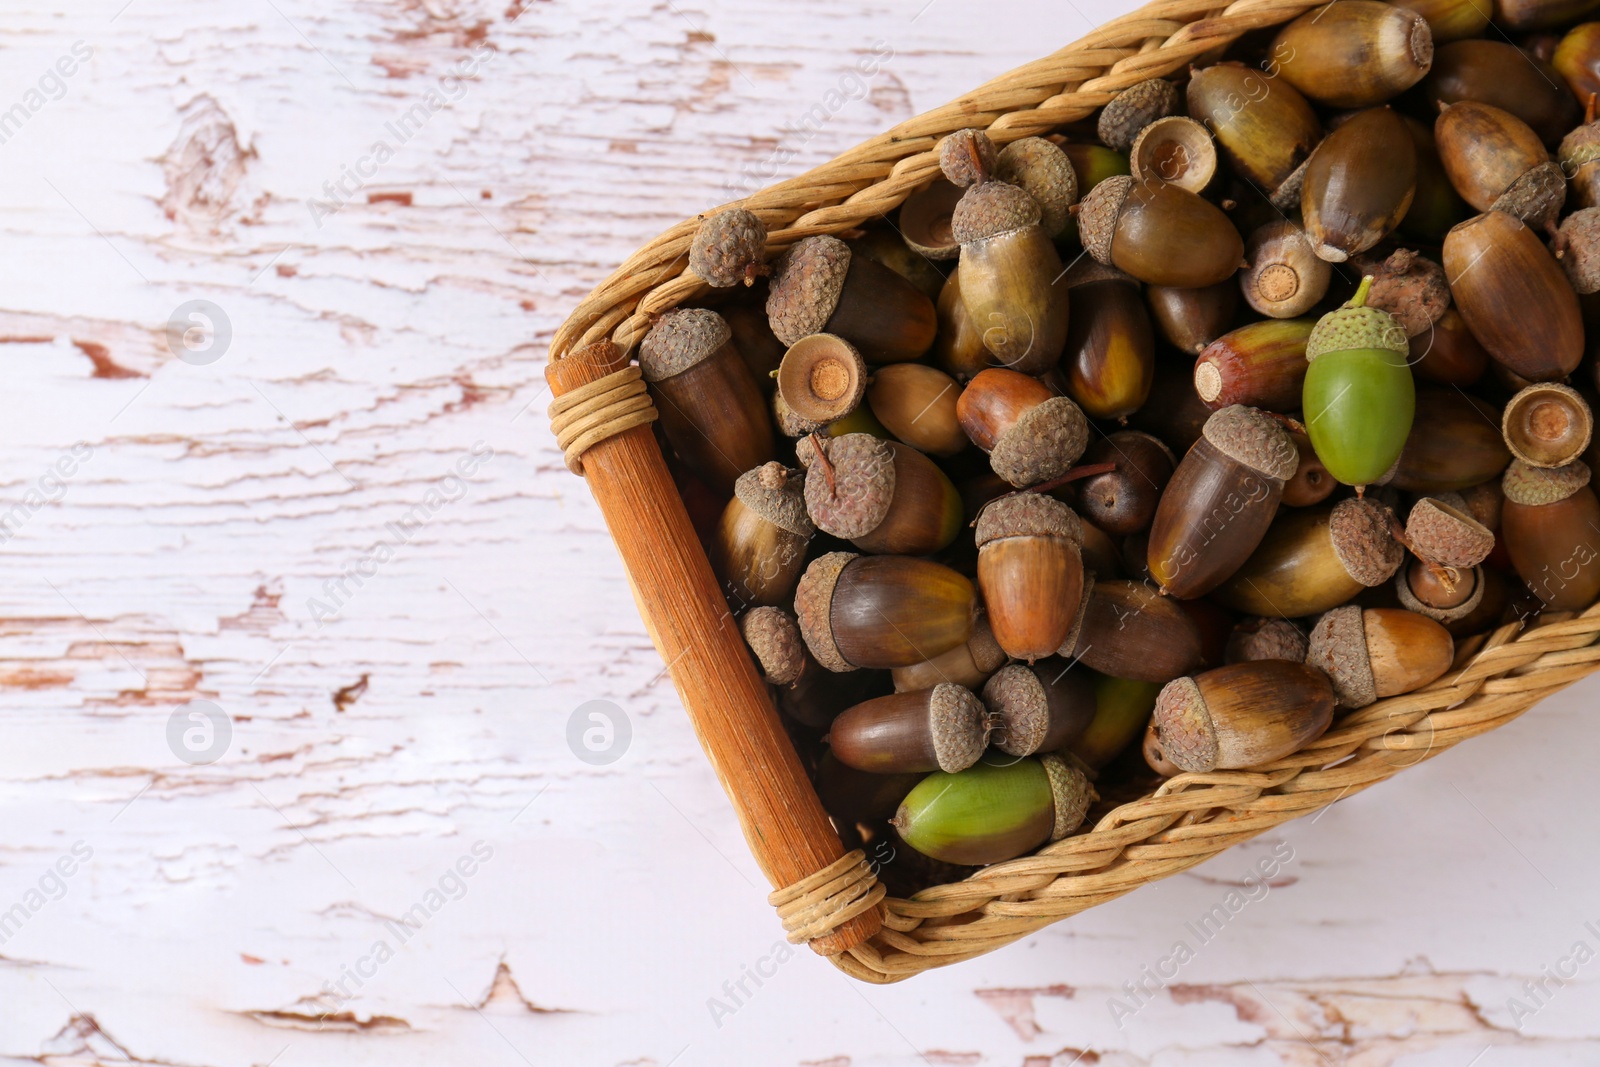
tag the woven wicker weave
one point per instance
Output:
(1194, 816)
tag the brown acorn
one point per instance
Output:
(1577, 60)
(1451, 20)
(1040, 707)
(1550, 525)
(925, 220)
(1128, 630)
(760, 544)
(884, 245)
(881, 611)
(1264, 129)
(1444, 596)
(967, 157)
(1353, 54)
(1541, 14)
(1030, 572)
(1455, 443)
(1008, 270)
(1436, 206)
(1159, 233)
(1190, 319)
(1174, 413)
(1261, 365)
(1450, 354)
(853, 796)
(746, 315)
(1372, 653)
(1030, 434)
(958, 350)
(710, 409)
(1131, 110)
(1409, 287)
(1286, 277)
(1497, 162)
(1220, 501)
(1174, 149)
(1043, 171)
(1264, 638)
(1503, 76)
(1110, 355)
(1242, 715)
(1314, 559)
(882, 496)
(820, 286)
(1101, 555)
(943, 728)
(969, 663)
(917, 403)
(1311, 484)
(1547, 425)
(1123, 501)
(1360, 181)
(1579, 156)
(729, 248)
(822, 378)
(1514, 296)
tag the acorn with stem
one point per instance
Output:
(882, 496)
(760, 544)
(820, 286)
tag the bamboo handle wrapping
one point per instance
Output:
(697, 637)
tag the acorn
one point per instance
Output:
(746, 316)
(881, 611)
(822, 378)
(1445, 595)
(1496, 162)
(1372, 653)
(1354, 54)
(1123, 501)
(1579, 156)
(1285, 277)
(1009, 268)
(820, 286)
(1502, 76)
(709, 407)
(1128, 630)
(1261, 365)
(917, 403)
(1109, 358)
(925, 220)
(803, 690)
(1264, 638)
(996, 810)
(1040, 707)
(1264, 128)
(967, 157)
(1450, 20)
(1455, 443)
(970, 663)
(1514, 296)
(1359, 182)
(760, 544)
(1043, 171)
(1435, 206)
(1359, 396)
(1540, 14)
(1242, 715)
(1220, 501)
(1314, 559)
(1131, 110)
(852, 796)
(1101, 555)
(1547, 425)
(1030, 434)
(1577, 60)
(1177, 150)
(1445, 536)
(1159, 233)
(882, 496)
(728, 248)
(1311, 484)
(1190, 319)
(774, 638)
(943, 728)
(958, 350)
(1029, 571)
(1577, 246)
(1122, 708)
(1449, 353)
(1550, 525)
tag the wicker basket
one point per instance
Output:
(825, 895)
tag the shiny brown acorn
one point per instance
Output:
(1030, 434)
(1040, 707)
(1264, 129)
(1008, 270)
(1262, 365)
(1521, 15)
(1436, 206)
(1110, 355)
(881, 611)
(1128, 630)
(917, 403)
(969, 663)
(1372, 653)
(760, 544)
(942, 728)
(1123, 501)
(1359, 183)
(1449, 354)
(1159, 233)
(958, 350)
(1504, 76)
(1314, 559)
(1551, 527)
(820, 286)
(1497, 162)
(1242, 715)
(1190, 319)
(1030, 572)
(1353, 54)
(1455, 443)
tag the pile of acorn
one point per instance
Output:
(1203, 422)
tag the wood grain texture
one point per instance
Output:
(210, 545)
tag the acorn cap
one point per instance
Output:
(1580, 146)
(1133, 109)
(1547, 424)
(1097, 215)
(680, 339)
(1027, 515)
(726, 245)
(1042, 444)
(991, 210)
(1534, 486)
(813, 605)
(1183, 722)
(1338, 648)
(1072, 793)
(774, 636)
(1042, 169)
(1364, 541)
(959, 725)
(1016, 697)
(805, 287)
(967, 157)
(1263, 638)
(1445, 536)
(1412, 289)
(1355, 326)
(1535, 197)
(854, 500)
(777, 494)
(1253, 438)
(1286, 197)
(1578, 241)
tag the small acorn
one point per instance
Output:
(1264, 638)
(1123, 501)
(728, 248)
(958, 350)
(1109, 359)
(1372, 653)
(1408, 286)
(1359, 182)
(1131, 110)
(881, 611)
(709, 406)
(1451, 20)
(822, 378)
(1128, 630)
(1311, 484)
(1177, 150)
(774, 638)
(943, 728)
(1449, 354)
(760, 544)
(925, 220)
(1030, 572)
(1190, 319)
(820, 286)
(1043, 171)
(1242, 715)
(1550, 525)
(1496, 162)
(1159, 233)
(1455, 443)
(1220, 501)
(1286, 278)
(917, 403)
(1040, 707)
(1354, 54)
(970, 663)
(1008, 270)
(1030, 434)
(1359, 397)
(967, 158)
(996, 810)
(1501, 75)
(882, 496)
(1262, 365)
(1547, 425)
(1122, 708)
(1314, 559)
(1264, 128)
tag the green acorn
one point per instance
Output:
(1358, 397)
(995, 810)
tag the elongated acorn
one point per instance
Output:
(760, 545)
(996, 810)
(958, 350)
(1159, 233)
(1496, 162)
(1286, 277)
(1030, 434)
(1436, 206)
(970, 663)
(944, 728)
(1008, 270)
(881, 611)
(1354, 54)
(1039, 707)
(1372, 653)
(1551, 527)
(1128, 630)
(883, 496)
(1264, 128)
(1314, 559)
(1123, 501)
(1451, 20)
(917, 403)
(1030, 572)
(1455, 443)
(1242, 715)
(820, 286)
(1190, 319)
(1261, 365)
(1540, 14)
(1110, 355)
(1359, 183)
(1501, 75)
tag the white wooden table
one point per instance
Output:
(340, 525)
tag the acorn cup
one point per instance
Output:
(760, 545)
(803, 690)
(1445, 596)
(1550, 525)
(1502, 76)
(1110, 355)
(1031, 434)
(1285, 278)
(881, 612)
(882, 496)
(1159, 233)
(1451, 20)
(1122, 709)
(1174, 149)
(1039, 707)
(996, 810)
(1128, 630)
(1496, 162)
(1455, 443)
(1242, 715)
(1354, 54)
(1260, 365)
(1314, 559)
(1263, 638)
(917, 403)
(958, 350)
(970, 663)
(1359, 398)
(1263, 128)
(925, 220)
(1311, 484)
(822, 378)
(1008, 269)
(1360, 181)
(1030, 572)
(943, 728)
(1130, 111)
(709, 407)
(1042, 170)
(1190, 319)
(820, 286)
(729, 248)
(1547, 425)
(1514, 296)
(1123, 501)
(1443, 535)
(1220, 501)
(1372, 653)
